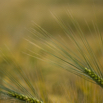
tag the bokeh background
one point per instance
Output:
(54, 84)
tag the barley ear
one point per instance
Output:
(94, 76)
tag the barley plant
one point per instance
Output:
(61, 68)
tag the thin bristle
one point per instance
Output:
(12, 84)
(66, 55)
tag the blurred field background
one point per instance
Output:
(54, 84)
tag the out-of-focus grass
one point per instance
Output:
(60, 86)
(15, 15)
